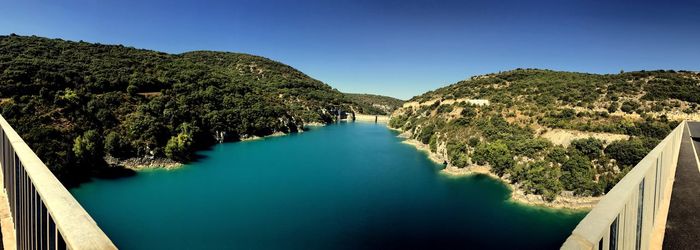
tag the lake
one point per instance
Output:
(343, 186)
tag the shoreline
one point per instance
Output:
(255, 137)
(439, 159)
(562, 201)
(142, 163)
(314, 124)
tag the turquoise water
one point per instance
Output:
(345, 186)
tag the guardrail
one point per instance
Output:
(626, 216)
(45, 214)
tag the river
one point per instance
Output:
(344, 186)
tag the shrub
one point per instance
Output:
(591, 147)
(612, 107)
(567, 113)
(529, 147)
(629, 106)
(468, 111)
(444, 109)
(626, 152)
(473, 141)
(577, 175)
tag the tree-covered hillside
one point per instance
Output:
(75, 102)
(510, 133)
(374, 104)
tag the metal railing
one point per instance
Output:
(45, 214)
(626, 216)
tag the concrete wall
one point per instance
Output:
(636, 207)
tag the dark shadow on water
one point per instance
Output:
(196, 157)
(114, 172)
(101, 172)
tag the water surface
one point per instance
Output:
(345, 186)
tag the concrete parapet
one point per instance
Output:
(45, 214)
(626, 217)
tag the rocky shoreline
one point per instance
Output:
(252, 138)
(565, 200)
(314, 124)
(143, 163)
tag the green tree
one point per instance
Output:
(558, 154)
(457, 154)
(88, 148)
(116, 146)
(433, 143)
(542, 178)
(577, 175)
(426, 133)
(179, 146)
(132, 89)
(496, 154)
(626, 152)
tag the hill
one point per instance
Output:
(548, 132)
(374, 104)
(75, 102)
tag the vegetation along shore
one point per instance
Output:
(76, 103)
(559, 139)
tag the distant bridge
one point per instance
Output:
(656, 205)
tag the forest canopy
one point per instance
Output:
(76, 102)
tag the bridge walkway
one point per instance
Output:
(683, 223)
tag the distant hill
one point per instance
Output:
(75, 102)
(550, 131)
(375, 104)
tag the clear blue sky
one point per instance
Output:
(396, 48)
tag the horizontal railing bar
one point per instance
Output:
(596, 224)
(78, 229)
